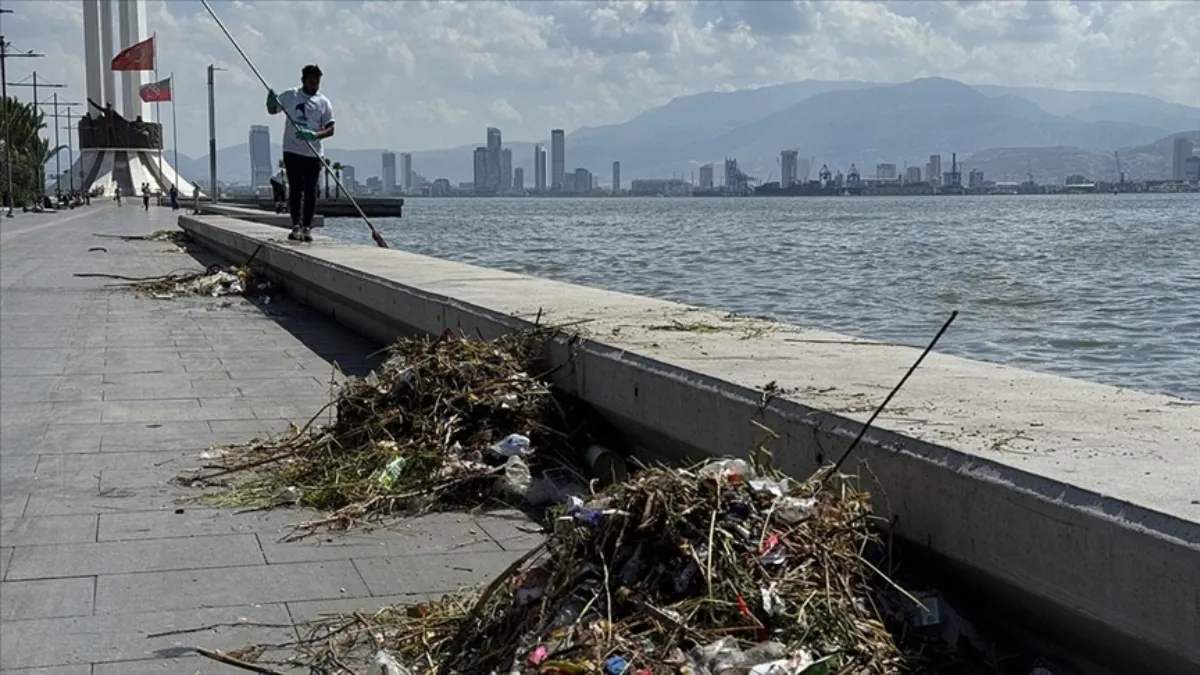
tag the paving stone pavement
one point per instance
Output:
(104, 397)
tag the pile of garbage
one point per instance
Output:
(443, 423)
(719, 570)
(216, 281)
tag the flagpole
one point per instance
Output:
(158, 115)
(174, 132)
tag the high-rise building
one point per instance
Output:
(406, 172)
(731, 173)
(912, 174)
(1191, 168)
(583, 181)
(616, 184)
(706, 177)
(348, 177)
(389, 172)
(539, 168)
(261, 167)
(933, 170)
(494, 145)
(975, 179)
(1182, 150)
(506, 170)
(885, 171)
(481, 169)
(518, 185)
(558, 158)
(789, 167)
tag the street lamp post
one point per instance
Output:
(212, 134)
(57, 145)
(38, 177)
(71, 146)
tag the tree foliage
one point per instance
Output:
(29, 152)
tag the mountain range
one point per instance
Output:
(1004, 131)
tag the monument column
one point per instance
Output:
(109, 91)
(131, 19)
(93, 60)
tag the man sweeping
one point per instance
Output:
(312, 115)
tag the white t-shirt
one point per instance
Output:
(312, 112)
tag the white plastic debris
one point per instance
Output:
(554, 487)
(733, 469)
(511, 446)
(386, 664)
(287, 496)
(516, 480)
(791, 510)
(774, 488)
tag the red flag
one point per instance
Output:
(156, 92)
(137, 57)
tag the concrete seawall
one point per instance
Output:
(1076, 502)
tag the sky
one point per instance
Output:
(418, 75)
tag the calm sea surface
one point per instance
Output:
(1100, 287)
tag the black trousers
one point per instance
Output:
(303, 174)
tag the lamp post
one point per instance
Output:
(71, 144)
(57, 145)
(212, 134)
(37, 176)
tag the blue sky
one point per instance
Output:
(418, 75)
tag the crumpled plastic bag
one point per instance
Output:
(386, 664)
(511, 445)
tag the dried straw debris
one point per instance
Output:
(445, 423)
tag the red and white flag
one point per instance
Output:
(137, 57)
(156, 92)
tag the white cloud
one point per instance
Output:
(502, 111)
(422, 74)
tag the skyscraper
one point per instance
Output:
(506, 170)
(260, 156)
(1182, 150)
(558, 158)
(494, 144)
(706, 177)
(539, 168)
(406, 172)
(518, 180)
(481, 169)
(933, 170)
(912, 174)
(348, 177)
(789, 161)
(616, 186)
(583, 181)
(389, 172)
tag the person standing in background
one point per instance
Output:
(311, 113)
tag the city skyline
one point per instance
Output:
(586, 78)
(496, 175)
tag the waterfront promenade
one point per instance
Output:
(106, 397)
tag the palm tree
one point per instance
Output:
(29, 152)
(337, 168)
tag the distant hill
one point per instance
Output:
(836, 122)
(1151, 161)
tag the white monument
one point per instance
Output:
(120, 142)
